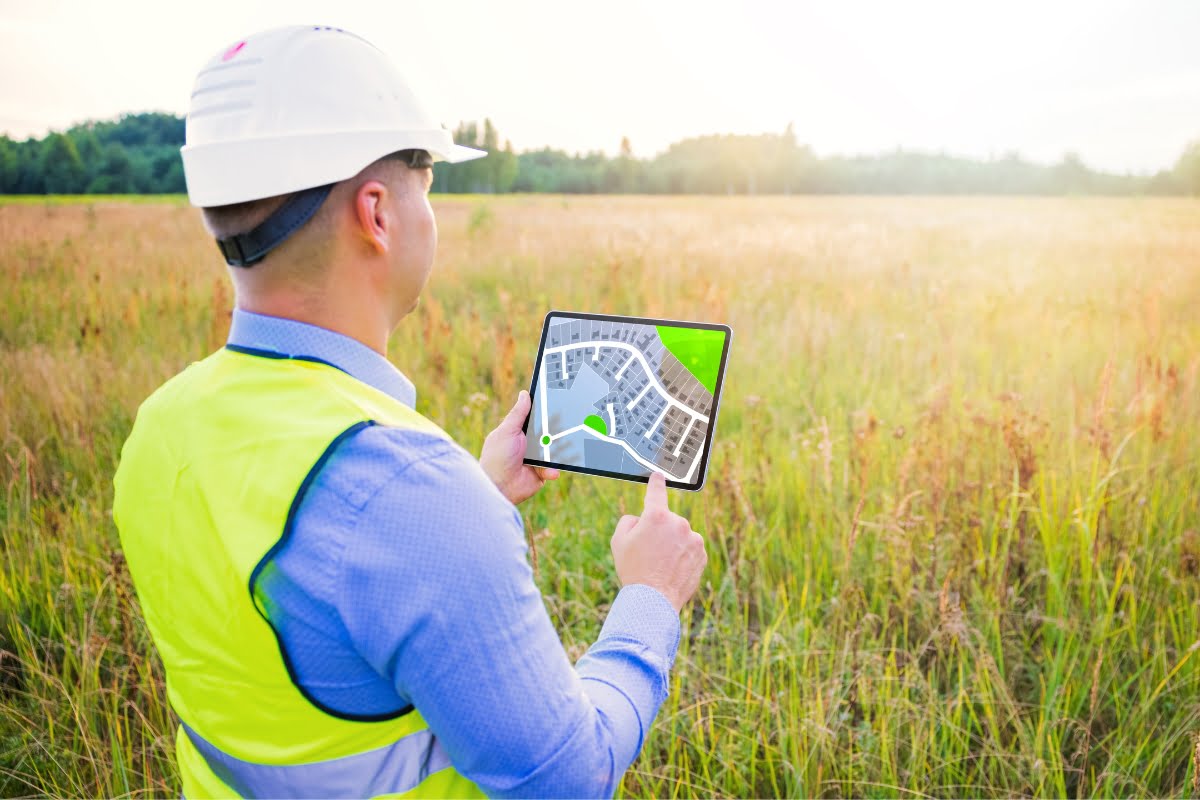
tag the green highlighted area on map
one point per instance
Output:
(596, 423)
(698, 350)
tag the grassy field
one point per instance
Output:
(952, 515)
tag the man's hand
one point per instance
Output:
(503, 451)
(659, 548)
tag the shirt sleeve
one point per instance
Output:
(437, 596)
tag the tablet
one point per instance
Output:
(623, 397)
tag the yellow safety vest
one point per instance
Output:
(217, 462)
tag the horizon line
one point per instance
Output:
(941, 151)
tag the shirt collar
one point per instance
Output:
(292, 338)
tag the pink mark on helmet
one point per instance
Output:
(233, 51)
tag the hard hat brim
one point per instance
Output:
(458, 153)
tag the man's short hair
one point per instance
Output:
(236, 218)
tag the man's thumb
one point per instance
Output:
(520, 410)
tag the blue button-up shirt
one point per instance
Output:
(405, 582)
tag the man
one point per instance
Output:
(338, 591)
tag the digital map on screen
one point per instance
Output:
(624, 397)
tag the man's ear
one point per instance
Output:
(371, 214)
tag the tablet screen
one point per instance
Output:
(624, 396)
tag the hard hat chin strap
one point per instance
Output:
(247, 249)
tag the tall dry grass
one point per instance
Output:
(952, 515)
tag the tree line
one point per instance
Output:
(139, 154)
(136, 154)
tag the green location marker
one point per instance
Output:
(596, 423)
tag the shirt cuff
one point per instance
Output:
(643, 614)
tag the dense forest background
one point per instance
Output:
(139, 154)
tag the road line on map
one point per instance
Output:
(650, 431)
(648, 465)
(686, 431)
(641, 394)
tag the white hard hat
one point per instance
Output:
(296, 108)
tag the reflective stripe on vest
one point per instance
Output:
(209, 480)
(392, 769)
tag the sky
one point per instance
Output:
(1116, 82)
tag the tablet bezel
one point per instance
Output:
(712, 428)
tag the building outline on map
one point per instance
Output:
(610, 396)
